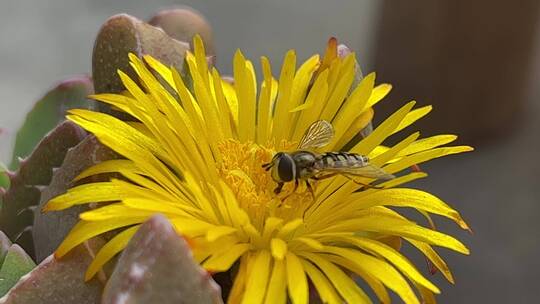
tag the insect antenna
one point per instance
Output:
(268, 166)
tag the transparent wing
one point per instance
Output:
(369, 171)
(319, 134)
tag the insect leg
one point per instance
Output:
(310, 189)
(287, 196)
(278, 188)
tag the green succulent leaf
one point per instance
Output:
(4, 180)
(5, 244)
(16, 264)
(48, 112)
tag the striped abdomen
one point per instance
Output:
(340, 160)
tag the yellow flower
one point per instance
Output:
(195, 152)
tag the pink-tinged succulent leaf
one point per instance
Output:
(35, 171)
(183, 23)
(123, 34)
(50, 229)
(157, 251)
(59, 281)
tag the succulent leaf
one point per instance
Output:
(4, 179)
(5, 244)
(123, 34)
(19, 201)
(157, 251)
(48, 112)
(16, 264)
(183, 23)
(59, 281)
(51, 228)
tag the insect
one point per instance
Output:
(305, 164)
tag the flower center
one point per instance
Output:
(241, 168)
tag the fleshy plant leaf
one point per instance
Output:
(48, 112)
(35, 171)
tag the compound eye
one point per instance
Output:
(286, 168)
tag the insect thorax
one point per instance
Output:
(305, 162)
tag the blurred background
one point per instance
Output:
(477, 62)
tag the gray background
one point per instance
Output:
(496, 188)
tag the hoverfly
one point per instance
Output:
(305, 164)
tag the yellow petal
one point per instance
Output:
(402, 228)
(382, 131)
(239, 284)
(340, 91)
(351, 109)
(218, 231)
(427, 295)
(191, 226)
(245, 91)
(265, 98)
(413, 116)
(399, 261)
(225, 115)
(232, 101)
(278, 248)
(276, 293)
(200, 55)
(117, 101)
(296, 279)
(384, 157)
(309, 242)
(109, 166)
(109, 250)
(378, 93)
(289, 228)
(432, 255)
(270, 226)
(311, 109)
(421, 157)
(403, 179)
(258, 277)
(356, 126)
(112, 212)
(302, 79)
(161, 69)
(84, 194)
(83, 231)
(404, 197)
(344, 284)
(156, 204)
(427, 144)
(222, 260)
(326, 291)
(378, 288)
(378, 268)
(284, 92)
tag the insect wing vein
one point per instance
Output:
(319, 134)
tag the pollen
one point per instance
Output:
(241, 168)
